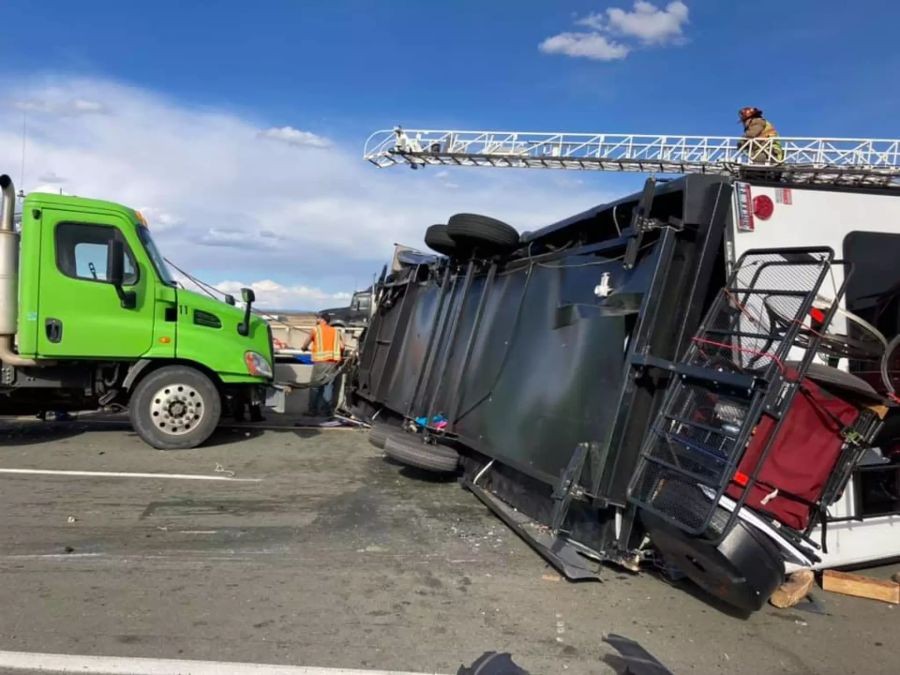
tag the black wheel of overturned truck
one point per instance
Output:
(378, 434)
(409, 449)
(438, 240)
(487, 235)
(175, 407)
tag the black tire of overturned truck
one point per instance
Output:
(743, 570)
(378, 435)
(175, 408)
(438, 239)
(409, 449)
(482, 233)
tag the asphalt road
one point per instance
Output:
(337, 558)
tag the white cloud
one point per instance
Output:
(50, 188)
(162, 220)
(51, 177)
(587, 45)
(83, 107)
(646, 25)
(272, 295)
(51, 103)
(292, 136)
(649, 23)
(223, 205)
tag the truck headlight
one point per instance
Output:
(257, 365)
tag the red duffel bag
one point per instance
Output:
(801, 458)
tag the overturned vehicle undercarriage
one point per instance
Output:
(636, 385)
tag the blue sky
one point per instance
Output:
(340, 70)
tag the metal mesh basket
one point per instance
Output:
(733, 371)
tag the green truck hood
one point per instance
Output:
(207, 334)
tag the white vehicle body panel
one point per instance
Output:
(805, 217)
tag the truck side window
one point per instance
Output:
(81, 252)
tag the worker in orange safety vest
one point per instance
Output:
(327, 347)
(761, 142)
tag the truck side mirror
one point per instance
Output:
(249, 297)
(115, 273)
(115, 263)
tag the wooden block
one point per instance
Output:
(880, 410)
(861, 587)
(794, 589)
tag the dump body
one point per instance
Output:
(543, 365)
(547, 367)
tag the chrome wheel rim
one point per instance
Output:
(176, 409)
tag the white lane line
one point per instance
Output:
(42, 556)
(127, 474)
(113, 665)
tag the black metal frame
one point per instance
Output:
(769, 391)
(674, 265)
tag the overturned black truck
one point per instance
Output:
(700, 377)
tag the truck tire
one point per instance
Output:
(483, 233)
(175, 407)
(409, 449)
(437, 239)
(378, 435)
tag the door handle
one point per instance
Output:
(54, 329)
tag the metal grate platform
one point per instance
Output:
(735, 369)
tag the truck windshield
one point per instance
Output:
(155, 256)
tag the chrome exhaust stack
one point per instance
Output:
(9, 277)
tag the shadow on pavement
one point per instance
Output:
(422, 475)
(31, 432)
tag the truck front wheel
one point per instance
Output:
(175, 407)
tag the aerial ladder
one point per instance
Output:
(819, 161)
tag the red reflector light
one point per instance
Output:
(763, 207)
(741, 478)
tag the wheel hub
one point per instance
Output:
(176, 409)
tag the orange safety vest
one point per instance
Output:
(326, 347)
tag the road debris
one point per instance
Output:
(634, 659)
(794, 590)
(861, 587)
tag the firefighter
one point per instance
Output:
(327, 347)
(761, 142)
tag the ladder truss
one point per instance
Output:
(828, 161)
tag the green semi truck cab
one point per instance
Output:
(91, 317)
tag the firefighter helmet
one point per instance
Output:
(749, 113)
